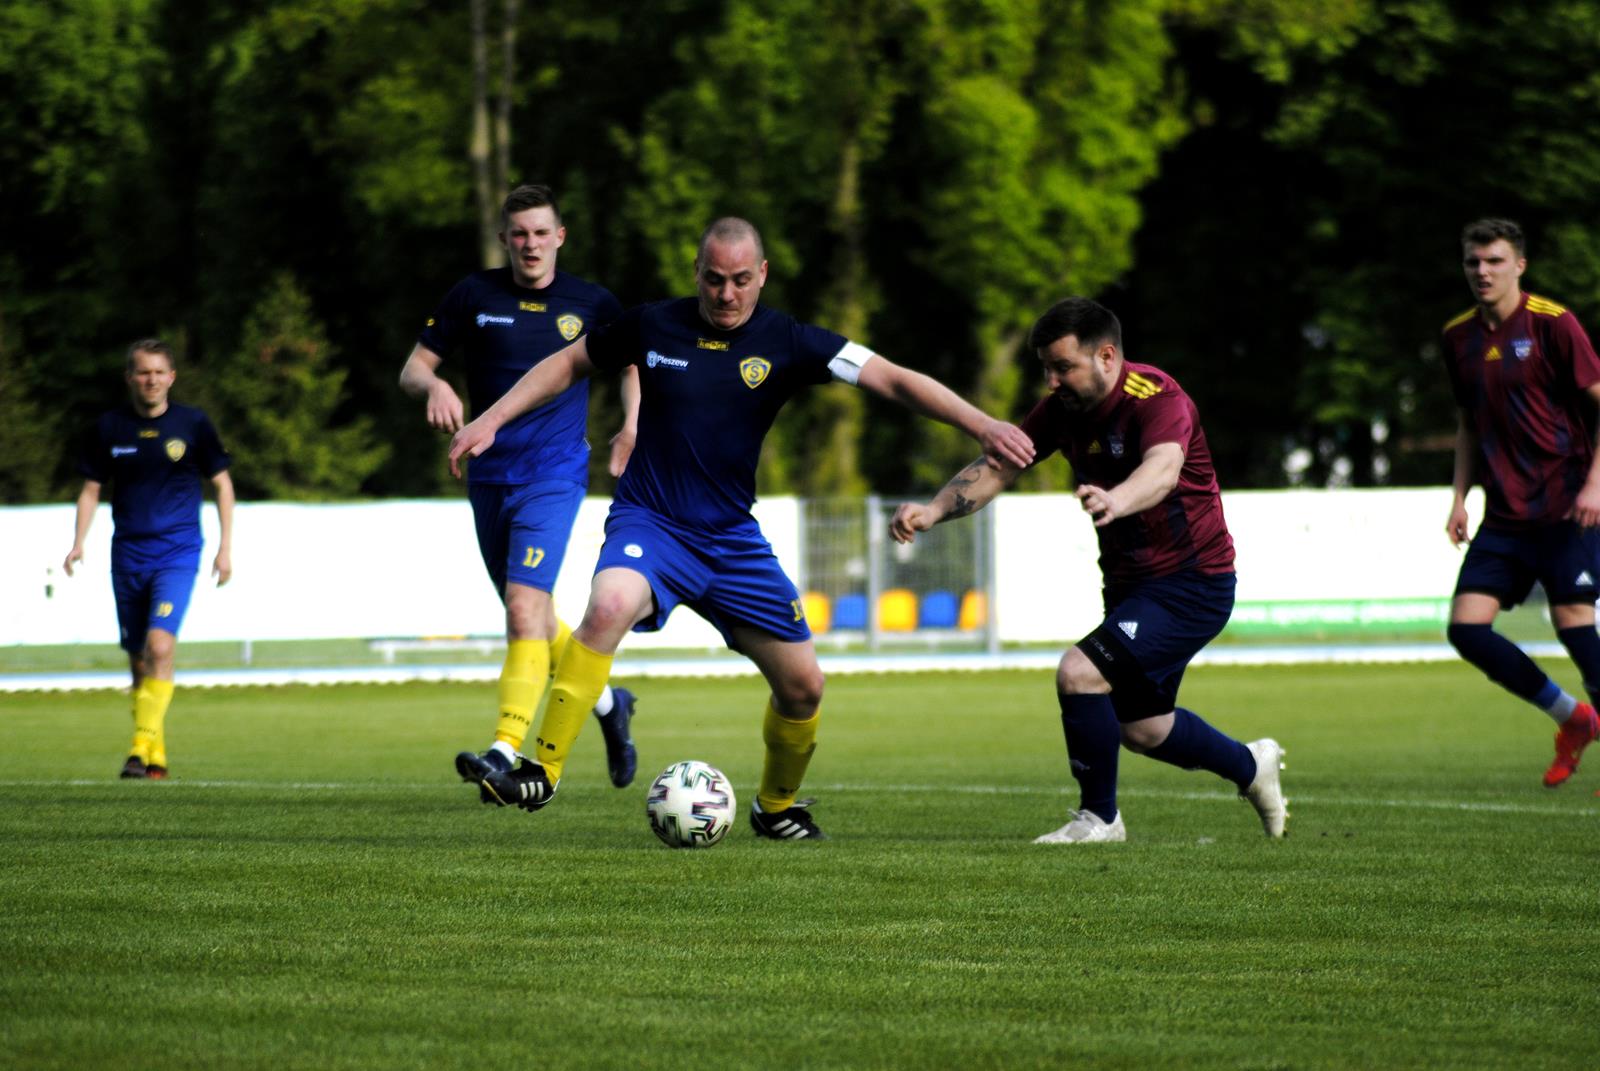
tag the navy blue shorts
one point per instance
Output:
(729, 578)
(523, 530)
(152, 598)
(1152, 630)
(1562, 557)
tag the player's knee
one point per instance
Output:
(1469, 641)
(1140, 736)
(1076, 675)
(798, 695)
(609, 616)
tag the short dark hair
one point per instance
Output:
(1485, 231)
(730, 229)
(149, 345)
(526, 196)
(1089, 321)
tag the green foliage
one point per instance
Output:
(282, 407)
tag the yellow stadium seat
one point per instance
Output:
(818, 610)
(974, 611)
(897, 611)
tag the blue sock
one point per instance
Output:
(1094, 736)
(1502, 662)
(1583, 644)
(1194, 745)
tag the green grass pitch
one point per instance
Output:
(314, 890)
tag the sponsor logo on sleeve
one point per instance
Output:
(753, 370)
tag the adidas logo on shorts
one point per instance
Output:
(1129, 628)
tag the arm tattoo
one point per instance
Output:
(962, 506)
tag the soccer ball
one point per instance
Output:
(690, 805)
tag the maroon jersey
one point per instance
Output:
(1522, 389)
(1146, 407)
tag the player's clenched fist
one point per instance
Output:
(909, 519)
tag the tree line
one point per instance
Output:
(1268, 192)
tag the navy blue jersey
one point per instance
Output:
(503, 330)
(155, 466)
(707, 398)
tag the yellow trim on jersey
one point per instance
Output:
(1459, 320)
(1140, 387)
(1544, 306)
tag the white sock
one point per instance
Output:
(602, 706)
(1562, 708)
(505, 750)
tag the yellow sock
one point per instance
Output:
(789, 748)
(522, 681)
(558, 646)
(580, 678)
(150, 702)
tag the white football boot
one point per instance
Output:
(1087, 827)
(1266, 791)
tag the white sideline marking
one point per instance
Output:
(720, 665)
(1295, 799)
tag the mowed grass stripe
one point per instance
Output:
(1429, 911)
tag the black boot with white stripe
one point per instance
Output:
(527, 786)
(792, 823)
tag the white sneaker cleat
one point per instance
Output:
(1087, 827)
(1266, 791)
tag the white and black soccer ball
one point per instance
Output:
(690, 805)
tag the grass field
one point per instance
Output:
(313, 890)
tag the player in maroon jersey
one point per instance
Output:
(1527, 382)
(1144, 475)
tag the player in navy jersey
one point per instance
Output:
(525, 492)
(1527, 382)
(714, 372)
(156, 455)
(1144, 475)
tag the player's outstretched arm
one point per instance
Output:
(88, 502)
(1466, 461)
(538, 385)
(622, 442)
(222, 567)
(967, 492)
(1002, 443)
(420, 378)
(1149, 483)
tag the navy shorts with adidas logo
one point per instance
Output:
(1152, 630)
(1562, 557)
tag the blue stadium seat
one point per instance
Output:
(940, 609)
(850, 611)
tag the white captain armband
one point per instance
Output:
(847, 363)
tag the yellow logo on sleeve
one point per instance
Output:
(176, 449)
(569, 326)
(753, 370)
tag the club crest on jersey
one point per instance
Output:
(1114, 442)
(569, 326)
(175, 449)
(753, 370)
(1522, 347)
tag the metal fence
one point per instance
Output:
(861, 587)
